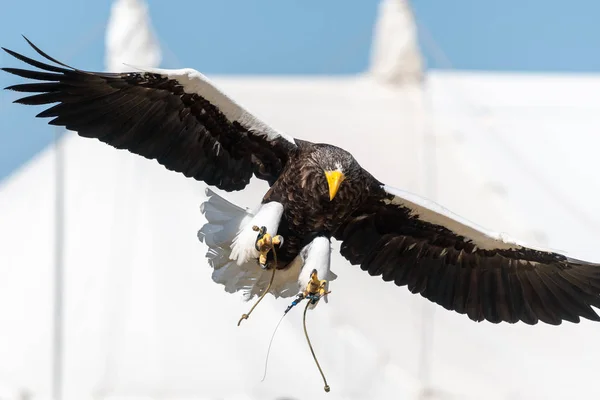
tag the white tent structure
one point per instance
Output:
(141, 317)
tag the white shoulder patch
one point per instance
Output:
(195, 82)
(429, 211)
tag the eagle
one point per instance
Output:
(317, 193)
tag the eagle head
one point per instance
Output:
(337, 164)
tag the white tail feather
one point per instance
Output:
(229, 236)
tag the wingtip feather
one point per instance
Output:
(43, 54)
(39, 64)
(13, 88)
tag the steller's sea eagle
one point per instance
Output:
(317, 192)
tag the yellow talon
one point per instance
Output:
(265, 243)
(316, 286)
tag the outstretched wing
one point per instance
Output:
(410, 241)
(177, 117)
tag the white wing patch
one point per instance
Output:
(195, 82)
(429, 211)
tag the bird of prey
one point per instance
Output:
(317, 193)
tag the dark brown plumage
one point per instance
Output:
(302, 190)
(150, 115)
(496, 285)
(179, 119)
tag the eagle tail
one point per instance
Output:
(224, 223)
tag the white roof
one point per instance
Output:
(534, 137)
(144, 319)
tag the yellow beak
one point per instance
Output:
(334, 179)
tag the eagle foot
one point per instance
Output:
(264, 244)
(312, 293)
(316, 288)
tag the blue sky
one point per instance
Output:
(293, 37)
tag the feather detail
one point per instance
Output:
(225, 221)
